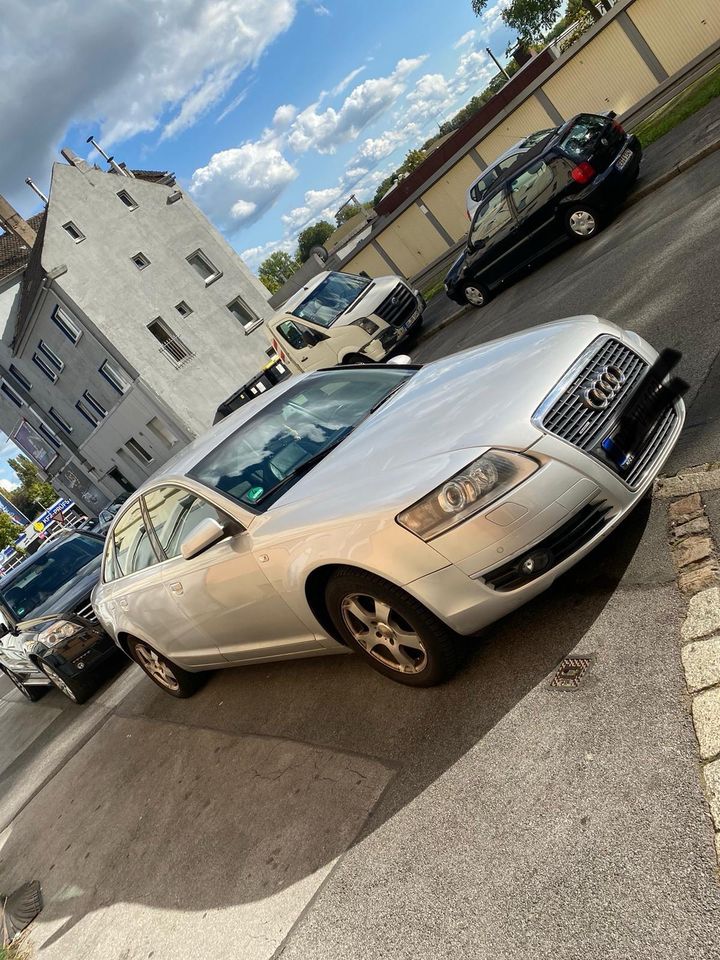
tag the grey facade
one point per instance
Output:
(115, 350)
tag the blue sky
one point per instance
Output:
(270, 112)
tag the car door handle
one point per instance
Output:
(176, 588)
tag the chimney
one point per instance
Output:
(75, 161)
(36, 189)
(12, 221)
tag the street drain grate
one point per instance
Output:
(570, 672)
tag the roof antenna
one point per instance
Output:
(36, 189)
(115, 166)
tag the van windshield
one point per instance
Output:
(331, 298)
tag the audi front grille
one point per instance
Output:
(398, 306)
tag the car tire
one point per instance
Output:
(373, 617)
(74, 690)
(32, 694)
(581, 223)
(163, 672)
(476, 294)
(352, 358)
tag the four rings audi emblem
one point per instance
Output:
(603, 390)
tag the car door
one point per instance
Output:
(308, 355)
(132, 599)
(221, 596)
(492, 236)
(534, 194)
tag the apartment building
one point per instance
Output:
(125, 319)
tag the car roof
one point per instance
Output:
(46, 548)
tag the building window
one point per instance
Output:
(171, 346)
(95, 404)
(20, 377)
(88, 414)
(242, 313)
(50, 355)
(114, 376)
(66, 323)
(73, 231)
(127, 200)
(183, 309)
(60, 420)
(204, 267)
(45, 367)
(50, 435)
(12, 396)
(140, 261)
(138, 451)
(162, 431)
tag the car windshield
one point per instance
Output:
(331, 298)
(535, 138)
(582, 135)
(49, 573)
(255, 463)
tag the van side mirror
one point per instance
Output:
(203, 536)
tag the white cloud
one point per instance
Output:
(317, 205)
(491, 18)
(375, 149)
(325, 130)
(346, 81)
(321, 10)
(125, 65)
(254, 256)
(464, 40)
(237, 186)
(284, 116)
(9, 484)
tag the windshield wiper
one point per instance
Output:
(306, 465)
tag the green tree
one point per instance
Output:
(313, 236)
(9, 530)
(531, 19)
(276, 269)
(350, 211)
(34, 493)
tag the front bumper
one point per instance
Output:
(568, 482)
(81, 654)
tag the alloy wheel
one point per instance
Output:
(582, 223)
(156, 668)
(59, 682)
(19, 684)
(475, 296)
(383, 633)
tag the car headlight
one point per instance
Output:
(472, 489)
(369, 326)
(57, 632)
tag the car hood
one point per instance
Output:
(445, 416)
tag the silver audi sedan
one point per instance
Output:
(387, 510)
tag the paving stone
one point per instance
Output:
(711, 773)
(685, 484)
(679, 510)
(706, 717)
(699, 524)
(699, 577)
(701, 660)
(703, 616)
(691, 550)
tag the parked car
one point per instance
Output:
(49, 634)
(565, 187)
(343, 318)
(389, 510)
(479, 187)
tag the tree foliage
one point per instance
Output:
(349, 211)
(9, 530)
(532, 19)
(413, 159)
(34, 493)
(313, 236)
(276, 269)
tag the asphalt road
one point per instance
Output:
(514, 821)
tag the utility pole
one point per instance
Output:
(497, 63)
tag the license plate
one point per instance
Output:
(625, 158)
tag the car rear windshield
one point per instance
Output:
(256, 463)
(582, 136)
(27, 594)
(331, 298)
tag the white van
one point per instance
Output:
(342, 318)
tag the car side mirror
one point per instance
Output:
(203, 536)
(310, 338)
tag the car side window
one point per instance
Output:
(490, 219)
(535, 183)
(175, 512)
(291, 333)
(130, 549)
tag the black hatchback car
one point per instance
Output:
(565, 186)
(49, 634)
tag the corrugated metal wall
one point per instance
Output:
(607, 73)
